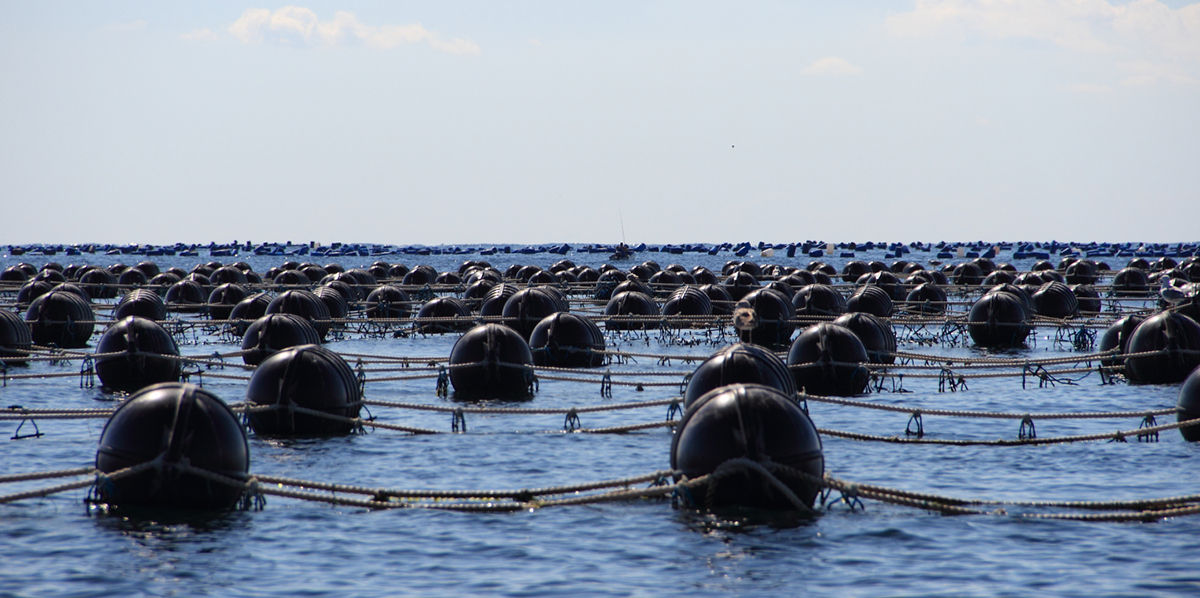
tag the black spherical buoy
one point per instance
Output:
(567, 340)
(525, 308)
(135, 353)
(247, 311)
(926, 298)
(143, 303)
(827, 359)
(1131, 282)
(631, 310)
(759, 424)
(876, 335)
(773, 326)
(335, 302)
(186, 296)
(298, 381)
(1117, 337)
(222, 300)
(1188, 406)
(872, 300)
(1088, 299)
(998, 320)
(61, 318)
(495, 299)
(491, 361)
(1173, 343)
(818, 300)
(275, 332)
(444, 307)
(16, 339)
(177, 424)
(739, 363)
(721, 300)
(304, 304)
(388, 302)
(1055, 300)
(99, 283)
(688, 301)
(740, 283)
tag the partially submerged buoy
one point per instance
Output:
(755, 444)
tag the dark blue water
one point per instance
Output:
(56, 546)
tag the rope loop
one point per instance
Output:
(572, 423)
(443, 382)
(458, 421)
(1148, 422)
(606, 385)
(1027, 431)
(87, 373)
(919, 430)
(674, 409)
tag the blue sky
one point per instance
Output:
(532, 122)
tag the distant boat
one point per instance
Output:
(621, 253)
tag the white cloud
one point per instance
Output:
(294, 25)
(1143, 73)
(831, 65)
(1142, 29)
(200, 35)
(134, 26)
(1086, 88)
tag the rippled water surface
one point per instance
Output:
(55, 546)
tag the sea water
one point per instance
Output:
(58, 546)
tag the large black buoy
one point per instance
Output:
(818, 300)
(721, 300)
(62, 319)
(222, 300)
(772, 323)
(739, 363)
(1172, 343)
(444, 307)
(135, 353)
(854, 270)
(275, 332)
(99, 283)
(876, 335)
(1088, 299)
(525, 308)
(388, 302)
(1117, 337)
(335, 302)
(998, 320)
(631, 310)
(16, 339)
(143, 303)
(495, 299)
(872, 300)
(1131, 282)
(312, 391)
(304, 304)
(1188, 406)
(186, 296)
(827, 359)
(32, 290)
(1055, 300)
(175, 425)
(760, 425)
(688, 301)
(228, 275)
(567, 340)
(247, 311)
(740, 283)
(925, 299)
(491, 361)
